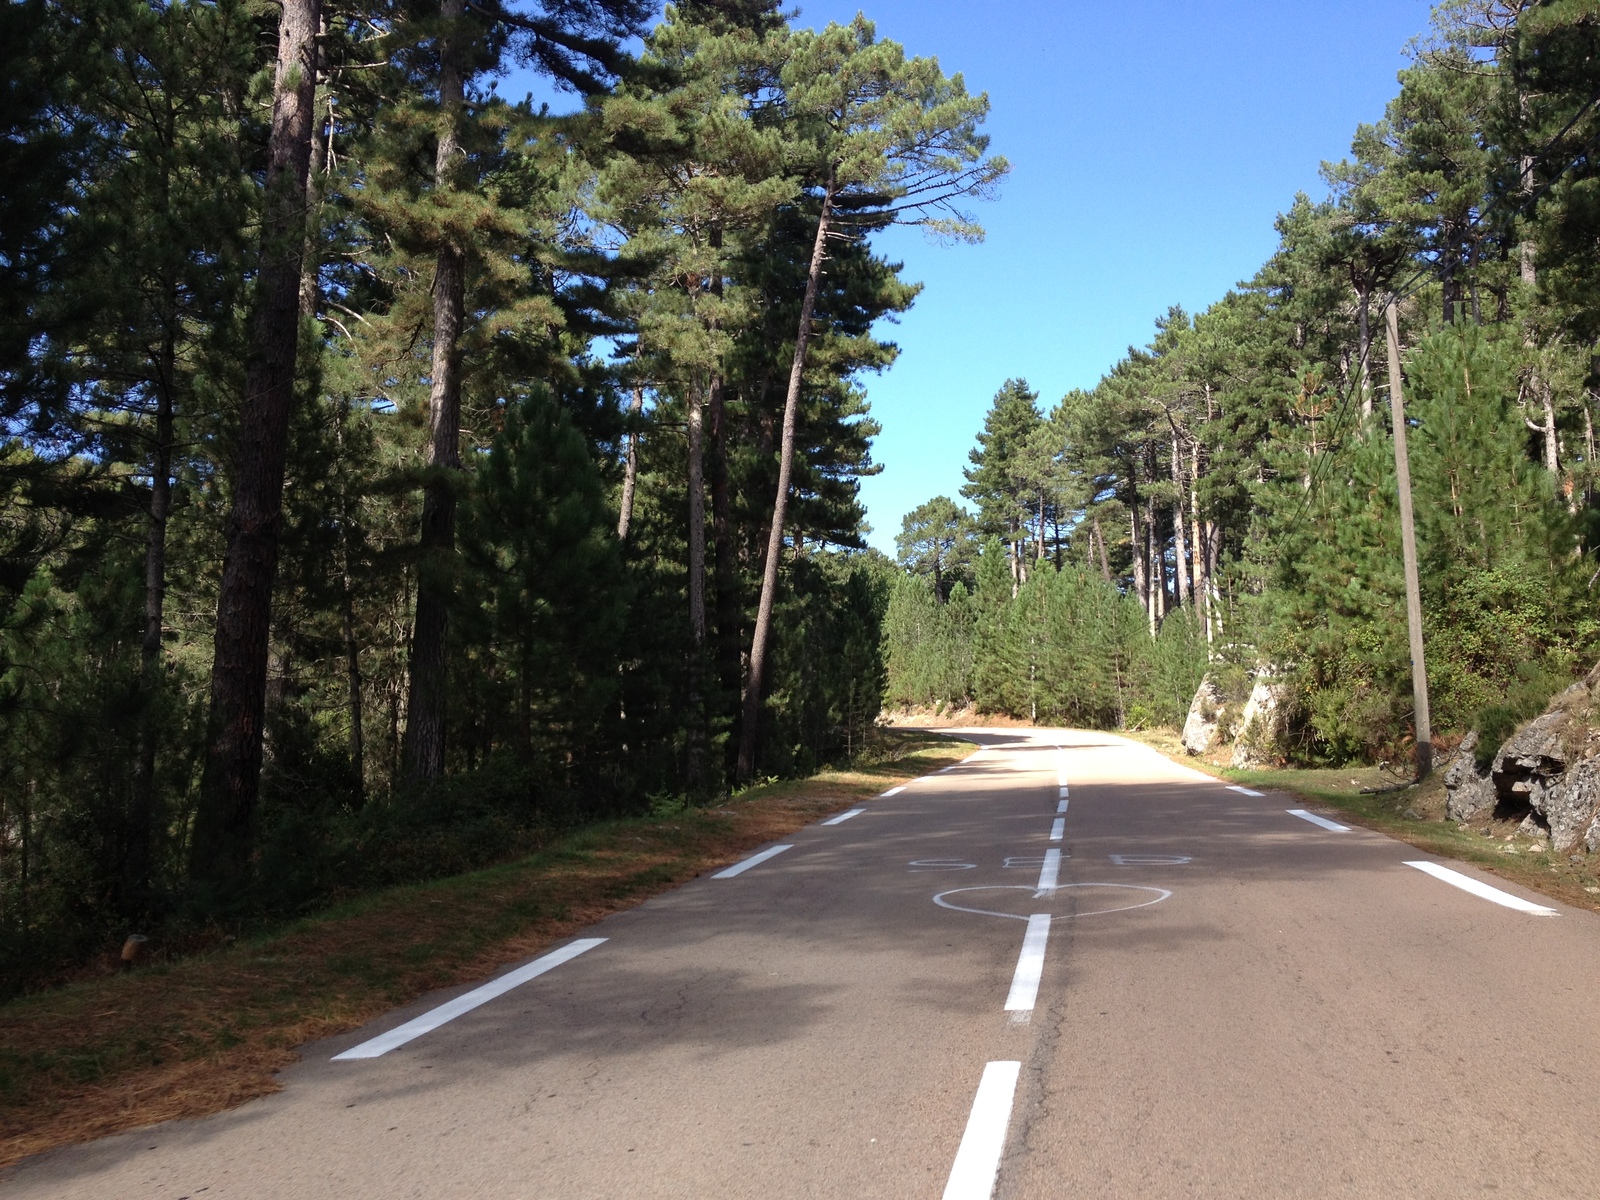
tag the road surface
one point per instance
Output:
(1066, 967)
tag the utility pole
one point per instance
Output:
(1408, 544)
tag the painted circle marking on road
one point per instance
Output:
(1159, 894)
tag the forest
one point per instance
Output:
(392, 472)
(1224, 502)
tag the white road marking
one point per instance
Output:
(1057, 828)
(941, 864)
(978, 1160)
(844, 816)
(1150, 860)
(1482, 890)
(894, 791)
(1316, 820)
(1062, 793)
(755, 860)
(451, 1009)
(1030, 965)
(1062, 807)
(1234, 787)
(1049, 872)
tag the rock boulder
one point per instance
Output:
(1204, 722)
(1261, 725)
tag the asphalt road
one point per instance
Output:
(1215, 998)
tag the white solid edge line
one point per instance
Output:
(451, 1009)
(754, 860)
(1062, 807)
(1057, 828)
(1049, 873)
(894, 791)
(1316, 820)
(1234, 787)
(844, 816)
(1482, 890)
(1030, 965)
(978, 1160)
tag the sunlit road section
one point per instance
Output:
(1066, 967)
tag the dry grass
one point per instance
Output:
(203, 1034)
(1415, 815)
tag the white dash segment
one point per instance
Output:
(1049, 873)
(451, 1009)
(1030, 965)
(844, 816)
(1063, 793)
(1244, 791)
(978, 1160)
(1304, 815)
(755, 860)
(1482, 890)
(894, 791)
(1057, 828)
(1062, 807)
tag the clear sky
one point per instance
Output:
(1152, 143)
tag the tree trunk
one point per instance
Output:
(141, 819)
(1141, 577)
(426, 704)
(1100, 537)
(769, 576)
(697, 593)
(1552, 456)
(724, 553)
(220, 850)
(1364, 322)
(1180, 556)
(630, 468)
(1202, 575)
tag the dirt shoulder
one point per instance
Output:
(203, 1034)
(1415, 815)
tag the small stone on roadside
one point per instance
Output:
(1592, 891)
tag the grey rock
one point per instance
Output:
(1469, 792)
(1261, 724)
(1203, 724)
(1571, 807)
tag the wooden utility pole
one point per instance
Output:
(1408, 544)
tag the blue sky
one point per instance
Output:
(1152, 143)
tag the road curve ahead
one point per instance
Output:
(1066, 967)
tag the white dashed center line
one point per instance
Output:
(978, 1160)
(1057, 828)
(1316, 820)
(844, 816)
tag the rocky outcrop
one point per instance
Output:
(1206, 712)
(1261, 725)
(1551, 765)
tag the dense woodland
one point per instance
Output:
(1225, 498)
(393, 472)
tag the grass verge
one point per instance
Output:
(1415, 816)
(203, 1034)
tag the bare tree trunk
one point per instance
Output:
(426, 705)
(1136, 539)
(352, 649)
(697, 592)
(1039, 557)
(220, 850)
(1202, 576)
(630, 469)
(725, 554)
(1100, 537)
(1552, 457)
(1364, 319)
(1180, 556)
(137, 863)
(769, 576)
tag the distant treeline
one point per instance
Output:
(1235, 477)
